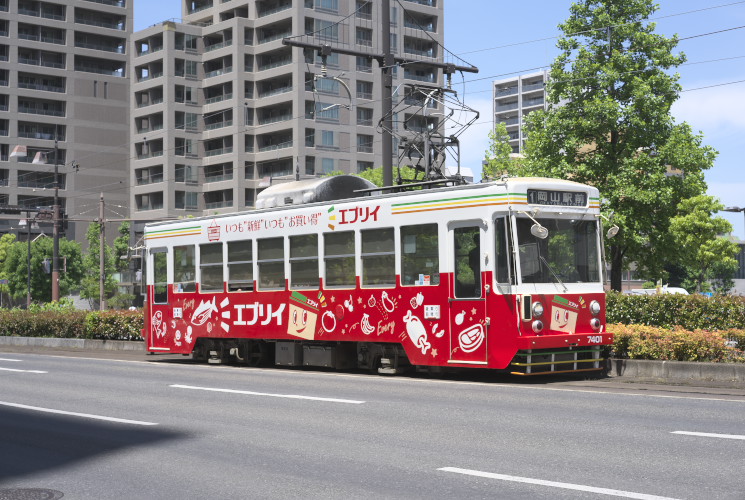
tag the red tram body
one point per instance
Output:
(459, 277)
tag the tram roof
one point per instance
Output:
(297, 192)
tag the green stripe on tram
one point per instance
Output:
(162, 231)
(480, 197)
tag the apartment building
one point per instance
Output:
(63, 73)
(516, 97)
(221, 108)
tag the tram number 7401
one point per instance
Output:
(595, 339)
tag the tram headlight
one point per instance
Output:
(595, 323)
(595, 307)
(537, 309)
(537, 325)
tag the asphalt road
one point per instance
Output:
(159, 427)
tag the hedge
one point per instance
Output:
(678, 344)
(107, 325)
(691, 312)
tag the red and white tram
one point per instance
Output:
(503, 275)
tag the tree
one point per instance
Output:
(375, 175)
(16, 269)
(121, 248)
(608, 124)
(499, 159)
(6, 241)
(695, 234)
(90, 286)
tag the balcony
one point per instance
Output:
(219, 98)
(213, 126)
(275, 147)
(218, 72)
(218, 151)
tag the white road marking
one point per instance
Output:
(75, 414)
(554, 484)
(14, 360)
(252, 393)
(710, 435)
(21, 371)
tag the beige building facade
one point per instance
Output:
(63, 73)
(221, 108)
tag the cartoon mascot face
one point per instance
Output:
(563, 315)
(303, 315)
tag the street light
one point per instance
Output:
(734, 209)
(21, 152)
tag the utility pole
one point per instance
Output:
(102, 257)
(56, 230)
(386, 61)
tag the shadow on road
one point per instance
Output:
(33, 442)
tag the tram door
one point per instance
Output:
(467, 301)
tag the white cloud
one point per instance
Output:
(712, 109)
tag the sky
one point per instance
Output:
(508, 38)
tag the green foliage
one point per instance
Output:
(498, 159)
(613, 128)
(375, 175)
(90, 286)
(692, 312)
(649, 342)
(121, 301)
(695, 234)
(63, 322)
(114, 325)
(121, 248)
(65, 304)
(16, 268)
(49, 323)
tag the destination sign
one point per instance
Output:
(559, 198)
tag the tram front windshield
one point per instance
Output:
(569, 252)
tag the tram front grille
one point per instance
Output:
(547, 361)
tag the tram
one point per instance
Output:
(503, 275)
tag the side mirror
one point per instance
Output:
(612, 231)
(539, 231)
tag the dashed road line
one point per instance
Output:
(21, 371)
(554, 484)
(76, 414)
(266, 394)
(710, 435)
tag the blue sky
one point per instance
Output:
(480, 30)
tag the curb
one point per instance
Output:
(89, 344)
(676, 370)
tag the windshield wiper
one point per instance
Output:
(548, 266)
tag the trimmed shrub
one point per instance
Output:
(71, 324)
(678, 344)
(692, 312)
(114, 325)
(63, 324)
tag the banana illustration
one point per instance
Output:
(366, 327)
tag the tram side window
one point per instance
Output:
(184, 268)
(210, 267)
(502, 250)
(378, 257)
(338, 250)
(467, 253)
(271, 263)
(160, 277)
(240, 266)
(304, 261)
(420, 263)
